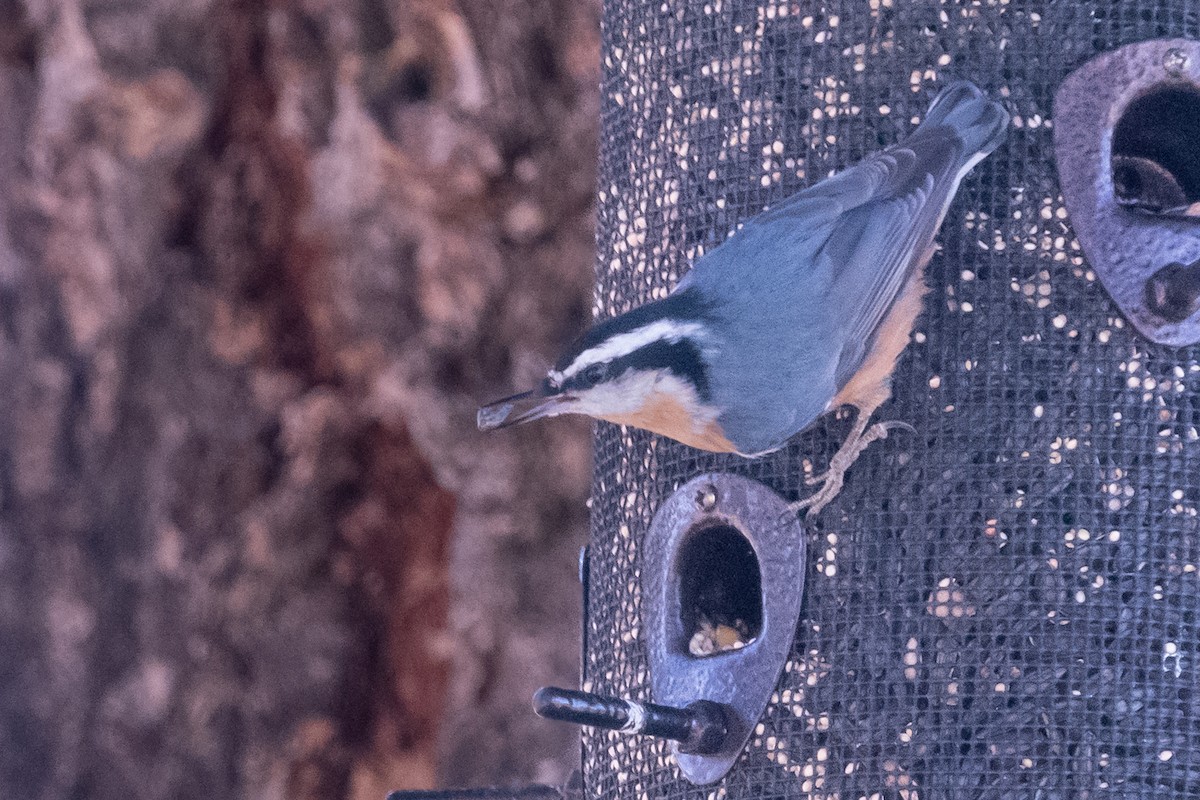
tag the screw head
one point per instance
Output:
(706, 497)
(1175, 61)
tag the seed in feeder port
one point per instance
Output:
(709, 638)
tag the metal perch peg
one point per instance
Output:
(699, 728)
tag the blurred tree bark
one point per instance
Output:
(259, 262)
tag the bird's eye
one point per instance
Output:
(595, 373)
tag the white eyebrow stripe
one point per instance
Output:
(623, 344)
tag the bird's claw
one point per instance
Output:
(819, 499)
(833, 479)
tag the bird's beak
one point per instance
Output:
(524, 407)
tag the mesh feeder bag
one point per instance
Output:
(1003, 604)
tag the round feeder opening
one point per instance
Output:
(720, 590)
(1155, 157)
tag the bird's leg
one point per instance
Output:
(831, 480)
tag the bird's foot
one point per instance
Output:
(833, 479)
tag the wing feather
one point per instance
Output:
(869, 227)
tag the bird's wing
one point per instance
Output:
(867, 228)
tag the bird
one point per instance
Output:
(804, 309)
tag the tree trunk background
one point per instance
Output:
(259, 263)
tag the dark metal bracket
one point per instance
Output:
(722, 582)
(1127, 144)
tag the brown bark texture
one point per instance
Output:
(259, 263)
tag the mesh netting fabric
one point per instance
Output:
(1003, 605)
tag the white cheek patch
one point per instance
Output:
(635, 390)
(662, 330)
(625, 395)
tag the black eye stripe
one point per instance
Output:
(589, 376)
(681, 307)
(681, 358)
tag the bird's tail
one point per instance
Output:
(981, 123)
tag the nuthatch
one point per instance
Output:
(804, 309)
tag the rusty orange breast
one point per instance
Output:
(665, 415)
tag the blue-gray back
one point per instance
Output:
(801, 290)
